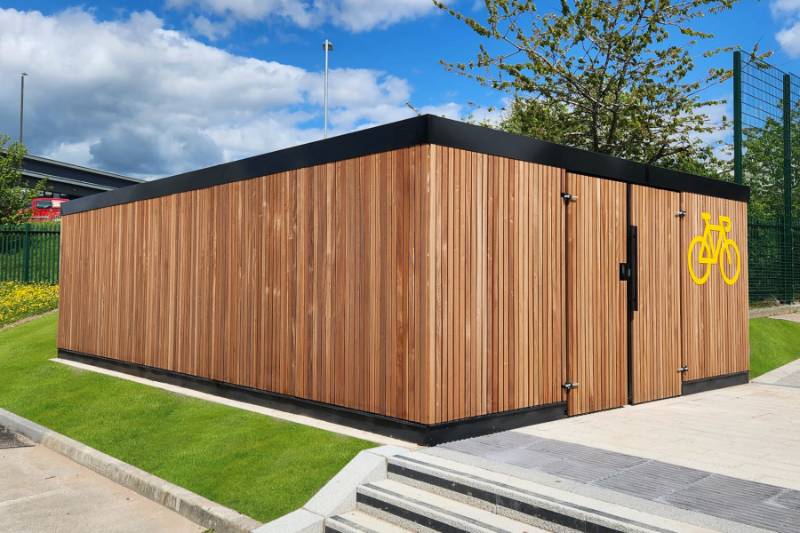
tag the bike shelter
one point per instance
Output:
(426, 279)
(662, 330)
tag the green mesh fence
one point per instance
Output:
(29, 253)
(767, 159)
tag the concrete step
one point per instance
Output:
(419, 510)
(360, 522)
(520, 500)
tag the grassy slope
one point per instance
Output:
(258, 465)
(255, 464)
(773, 343)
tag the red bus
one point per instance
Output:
(46, 209)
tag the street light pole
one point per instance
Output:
(21, 104)
(327, 46)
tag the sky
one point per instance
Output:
(153, 88)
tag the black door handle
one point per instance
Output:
(633, 262)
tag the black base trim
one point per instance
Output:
(715, 382)
(423, 434)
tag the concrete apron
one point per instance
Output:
(192, 506)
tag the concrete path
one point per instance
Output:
(792, 317)
(785, 376)
(749, 431)
(725, 459)
(42, 491)
(724, 497)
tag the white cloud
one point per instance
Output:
(133, 97)
(718, 116)
(363, 15)
(783, 7)
(298, 12)
(448, 110)
(789, 39)
(352, 15)
(789, 35)
(209, 29)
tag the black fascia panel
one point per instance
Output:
(403, 134)
(474, 138)
(426, 129)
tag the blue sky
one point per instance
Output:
(156, 87)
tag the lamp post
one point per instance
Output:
(327, 46)
(21, 105)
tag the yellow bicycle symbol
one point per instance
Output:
(723, 252)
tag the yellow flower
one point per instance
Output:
(18, 300)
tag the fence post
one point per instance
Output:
(788, 295)
(26, 254)
(737, 117)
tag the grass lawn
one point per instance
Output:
(260, 466)
(773, 343)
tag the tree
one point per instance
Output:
(762, 167)
(15, 196)
(603, 75)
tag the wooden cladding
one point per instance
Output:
(427, 284)
(715, 315)
(498, 283)
(597, 346)
(309, 283)
(656, 326)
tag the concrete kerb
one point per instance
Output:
(338, 496)
(194, 507)
(761, 312)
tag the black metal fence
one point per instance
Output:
(766, 150)
(29, 253)
(767, 261)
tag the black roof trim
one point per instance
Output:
(426, 129)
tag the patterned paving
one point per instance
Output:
(739, 500)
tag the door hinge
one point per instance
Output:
(680, 213)
(567, 197)
(569, 386)
(684, 368)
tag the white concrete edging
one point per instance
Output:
(762, 312)
(192, 506)
(338, 495)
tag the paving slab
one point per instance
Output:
(730, 455)
(742, 501)
(748, 431)
(43, 491)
